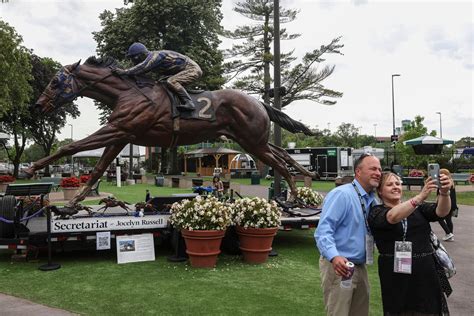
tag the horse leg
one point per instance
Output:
(265, 153)
(106, 136)
(108, 156)
(280, 152)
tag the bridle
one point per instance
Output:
(68, 90)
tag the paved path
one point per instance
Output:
(14, 306)
(461, 301)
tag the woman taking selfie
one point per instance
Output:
(412, 281)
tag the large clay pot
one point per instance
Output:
(256, 243)
(69, 193)
(3, 186)
(203, 246)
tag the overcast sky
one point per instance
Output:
(429, 43)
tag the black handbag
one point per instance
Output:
(442, 256)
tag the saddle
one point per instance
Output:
(202, 100)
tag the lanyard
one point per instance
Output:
(405, 228)
(362, 204)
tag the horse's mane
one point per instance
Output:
(106, 61)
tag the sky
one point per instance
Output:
(429, 43)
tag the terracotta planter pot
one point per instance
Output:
(203, 246)
(69, 193)
(256, 243)
(3, 186)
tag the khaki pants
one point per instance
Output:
(191, 72)
(340, 301)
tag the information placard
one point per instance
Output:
(103, 240)
(84, 224)
(135, 248)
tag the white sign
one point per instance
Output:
(87, 224)
(135, 248)
(344, 158)
(103, 240)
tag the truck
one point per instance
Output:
(328, 162)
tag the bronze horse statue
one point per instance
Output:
(143, 116)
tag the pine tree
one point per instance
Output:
(250, 61)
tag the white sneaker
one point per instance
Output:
(449, 237)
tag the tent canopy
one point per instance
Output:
(427, 140)
(96, 153)
(427, 145)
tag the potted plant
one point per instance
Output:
(70, 187)
(257, 222)
(5, 180)
(203, 222)
(309, 196)
(84, 178)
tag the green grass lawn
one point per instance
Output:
(92, 283)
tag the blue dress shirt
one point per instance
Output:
(341, 230)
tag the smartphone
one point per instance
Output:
(433, 172)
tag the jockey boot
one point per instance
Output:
(186, 103)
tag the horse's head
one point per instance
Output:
(60, 90)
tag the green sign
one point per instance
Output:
(331, 152)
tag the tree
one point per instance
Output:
(44, 127)
(13, 123)
(189, 27)
(251, 60)
(14, 91)
(14, 69)
(405, 153)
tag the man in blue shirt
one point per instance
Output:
(342, 235)
(180, 68)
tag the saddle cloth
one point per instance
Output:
(202, 100)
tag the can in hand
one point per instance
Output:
(346, 282)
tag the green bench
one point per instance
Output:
(461, 177)
(54, 181)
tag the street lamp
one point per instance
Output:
(375, 132)
(440, 125)
(393, 104)
(329, 127)
(393, 118)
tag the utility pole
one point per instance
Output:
(276, 85)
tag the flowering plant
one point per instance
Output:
(201, 213)
(71, 182)
(84, 178)
(416, 173)
(256, 213)
(6, 178)
(309, 196)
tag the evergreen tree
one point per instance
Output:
(250, 61)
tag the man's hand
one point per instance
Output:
(339, 265)
(118, 71)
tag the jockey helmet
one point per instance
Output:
(137, 48)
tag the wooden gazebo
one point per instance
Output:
(207, 159)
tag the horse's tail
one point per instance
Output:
(285, 121)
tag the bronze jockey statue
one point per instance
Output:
(182, 69)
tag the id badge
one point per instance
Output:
(369, 249)
(402, 259)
